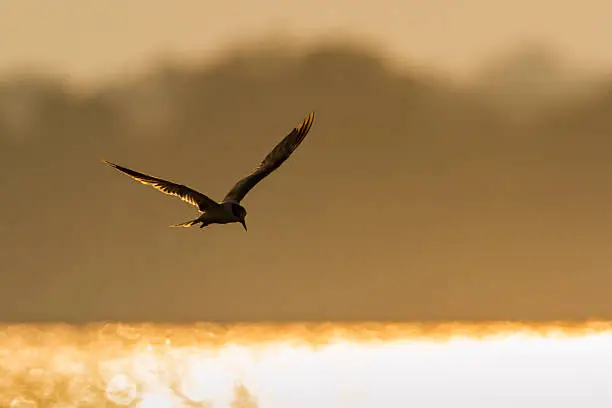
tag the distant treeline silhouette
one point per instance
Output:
(411, 199)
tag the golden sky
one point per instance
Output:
(411, 199)
(90, 39)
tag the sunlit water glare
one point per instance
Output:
(266, 366)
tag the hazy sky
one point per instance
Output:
(409, 200)
(90, 39)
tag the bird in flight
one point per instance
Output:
(229, 210)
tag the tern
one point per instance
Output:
(229, 210)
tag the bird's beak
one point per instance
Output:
(243, 222)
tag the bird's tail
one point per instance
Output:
(187, 224)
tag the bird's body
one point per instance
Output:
(229, 210)
(224, 213)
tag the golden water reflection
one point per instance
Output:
(258, 365)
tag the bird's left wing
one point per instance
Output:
(272, 161)
(185, 193)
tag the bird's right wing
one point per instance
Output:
(185, 193)
(272, 161)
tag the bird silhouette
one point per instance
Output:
(229, 210)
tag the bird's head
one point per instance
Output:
(240, 213)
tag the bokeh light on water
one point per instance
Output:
(325, 365)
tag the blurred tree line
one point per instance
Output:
(411, 199)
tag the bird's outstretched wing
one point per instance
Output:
(273, 160)
(185, 193)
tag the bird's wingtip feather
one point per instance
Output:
(113, 165)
